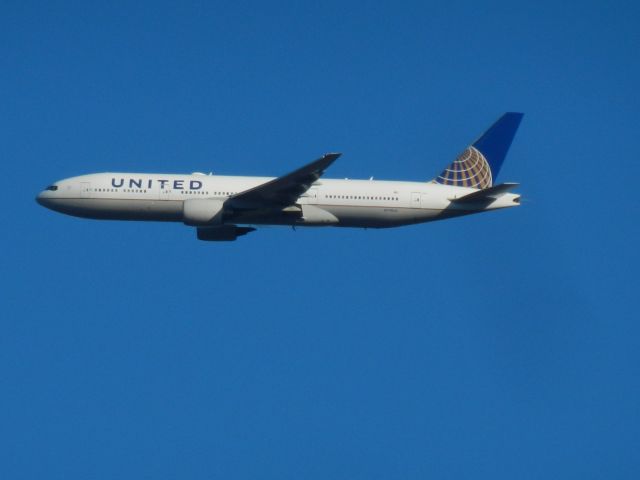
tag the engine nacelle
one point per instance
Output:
(202, 211)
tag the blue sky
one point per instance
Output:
(502, 345)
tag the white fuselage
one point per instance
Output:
(330, 202)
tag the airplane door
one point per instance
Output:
(85, 189)
(164, 194)
(415, 200)
(312, 195)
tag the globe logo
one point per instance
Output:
(470, 169)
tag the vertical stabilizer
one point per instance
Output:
(479, 165)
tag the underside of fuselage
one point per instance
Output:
(172, 211)
(119, 209)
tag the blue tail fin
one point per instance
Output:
(479, 164)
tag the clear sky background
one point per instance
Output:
(503, 345)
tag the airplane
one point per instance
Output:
(223, 208)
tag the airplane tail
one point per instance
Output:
(479, 164)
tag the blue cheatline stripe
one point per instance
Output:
(495, 142)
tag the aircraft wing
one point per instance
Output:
(285, 190)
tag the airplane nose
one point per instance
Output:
(41, 199)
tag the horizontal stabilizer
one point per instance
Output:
(487, 194)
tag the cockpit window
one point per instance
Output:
(53, 188)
